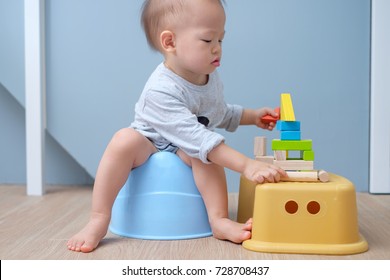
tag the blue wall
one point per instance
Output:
(61, 168)
(317, 50)
(98, 62)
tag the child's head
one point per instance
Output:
(188, 33)
(160, 15)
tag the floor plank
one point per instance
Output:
(38, 228)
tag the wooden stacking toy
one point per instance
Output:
(312, 212)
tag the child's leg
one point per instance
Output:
(127, 149)
(211, 182)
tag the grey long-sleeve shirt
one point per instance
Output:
(169, 108)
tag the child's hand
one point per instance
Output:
(264, 112)
(261, 172)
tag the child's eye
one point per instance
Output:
(206, 41)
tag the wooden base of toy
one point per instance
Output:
(302, 217)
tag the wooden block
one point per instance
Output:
(290, 135)
(288, 125)
(280, 155)
(307, 176)
(301, 176)
(307, 155)
(269, 118)
(286, 108)
(266, 159)
(323, 176)
(297, 145)
(294, 164)
(260, 146)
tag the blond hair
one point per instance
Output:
(159, 15)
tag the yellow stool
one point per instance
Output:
(302, 217)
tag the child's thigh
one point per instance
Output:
(132, 144)
(184, 157)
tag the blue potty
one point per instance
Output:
(160, 201)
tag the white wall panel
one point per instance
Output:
(380, 98)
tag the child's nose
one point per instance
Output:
(217, 48)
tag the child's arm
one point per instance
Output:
(253, 170)
(253, 117)
(256, 171)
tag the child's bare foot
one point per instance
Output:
(226, 229)
(89, 237)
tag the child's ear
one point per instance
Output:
(167, 41)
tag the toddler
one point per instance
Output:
(181, 105)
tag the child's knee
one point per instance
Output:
(122, 135)
(126, 138)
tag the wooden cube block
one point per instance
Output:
(298, 145)
(290, 135)
(295, 164)
(307, 176)
(260, 146)
(280, 155)
(288, 125)
(286, 108)
(265, 159)
(307, 155)
(269, 118)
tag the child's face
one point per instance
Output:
(198, 41)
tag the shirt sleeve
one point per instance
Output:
(232, 117)
(169, 116)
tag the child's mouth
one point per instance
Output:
(216, 63)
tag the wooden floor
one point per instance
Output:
(38, 228)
